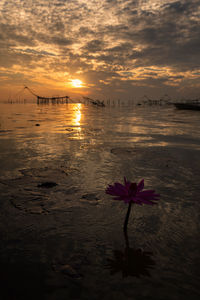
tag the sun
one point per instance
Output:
(76, 83)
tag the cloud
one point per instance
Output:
(108, 42)
(94, 46)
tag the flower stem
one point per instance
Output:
(126, 239)
(127, 217)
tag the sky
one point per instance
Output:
(108, 49)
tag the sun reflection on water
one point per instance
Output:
(77, 114)
(76, 119)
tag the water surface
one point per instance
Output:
(66, 241)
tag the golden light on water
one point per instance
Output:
(77, 83)
(76, 120)
(73, 119)
(77, 114)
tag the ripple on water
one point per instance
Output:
(43, 190)
(5, 131)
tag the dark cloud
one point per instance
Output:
(18, 36)
(94, 46)
(85, 31)
(61, 41)
(122, 47)
(180, 7)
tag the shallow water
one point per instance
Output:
(66, 241)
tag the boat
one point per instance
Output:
(192, 105)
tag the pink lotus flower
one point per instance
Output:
(132, 192)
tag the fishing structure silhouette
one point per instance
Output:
(40, 99)
(62, 99)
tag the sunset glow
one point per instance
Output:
(77, 83)
(93, 93)
(108, 49)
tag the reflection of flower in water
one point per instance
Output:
(131, 262)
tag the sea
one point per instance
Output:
(62, 235)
